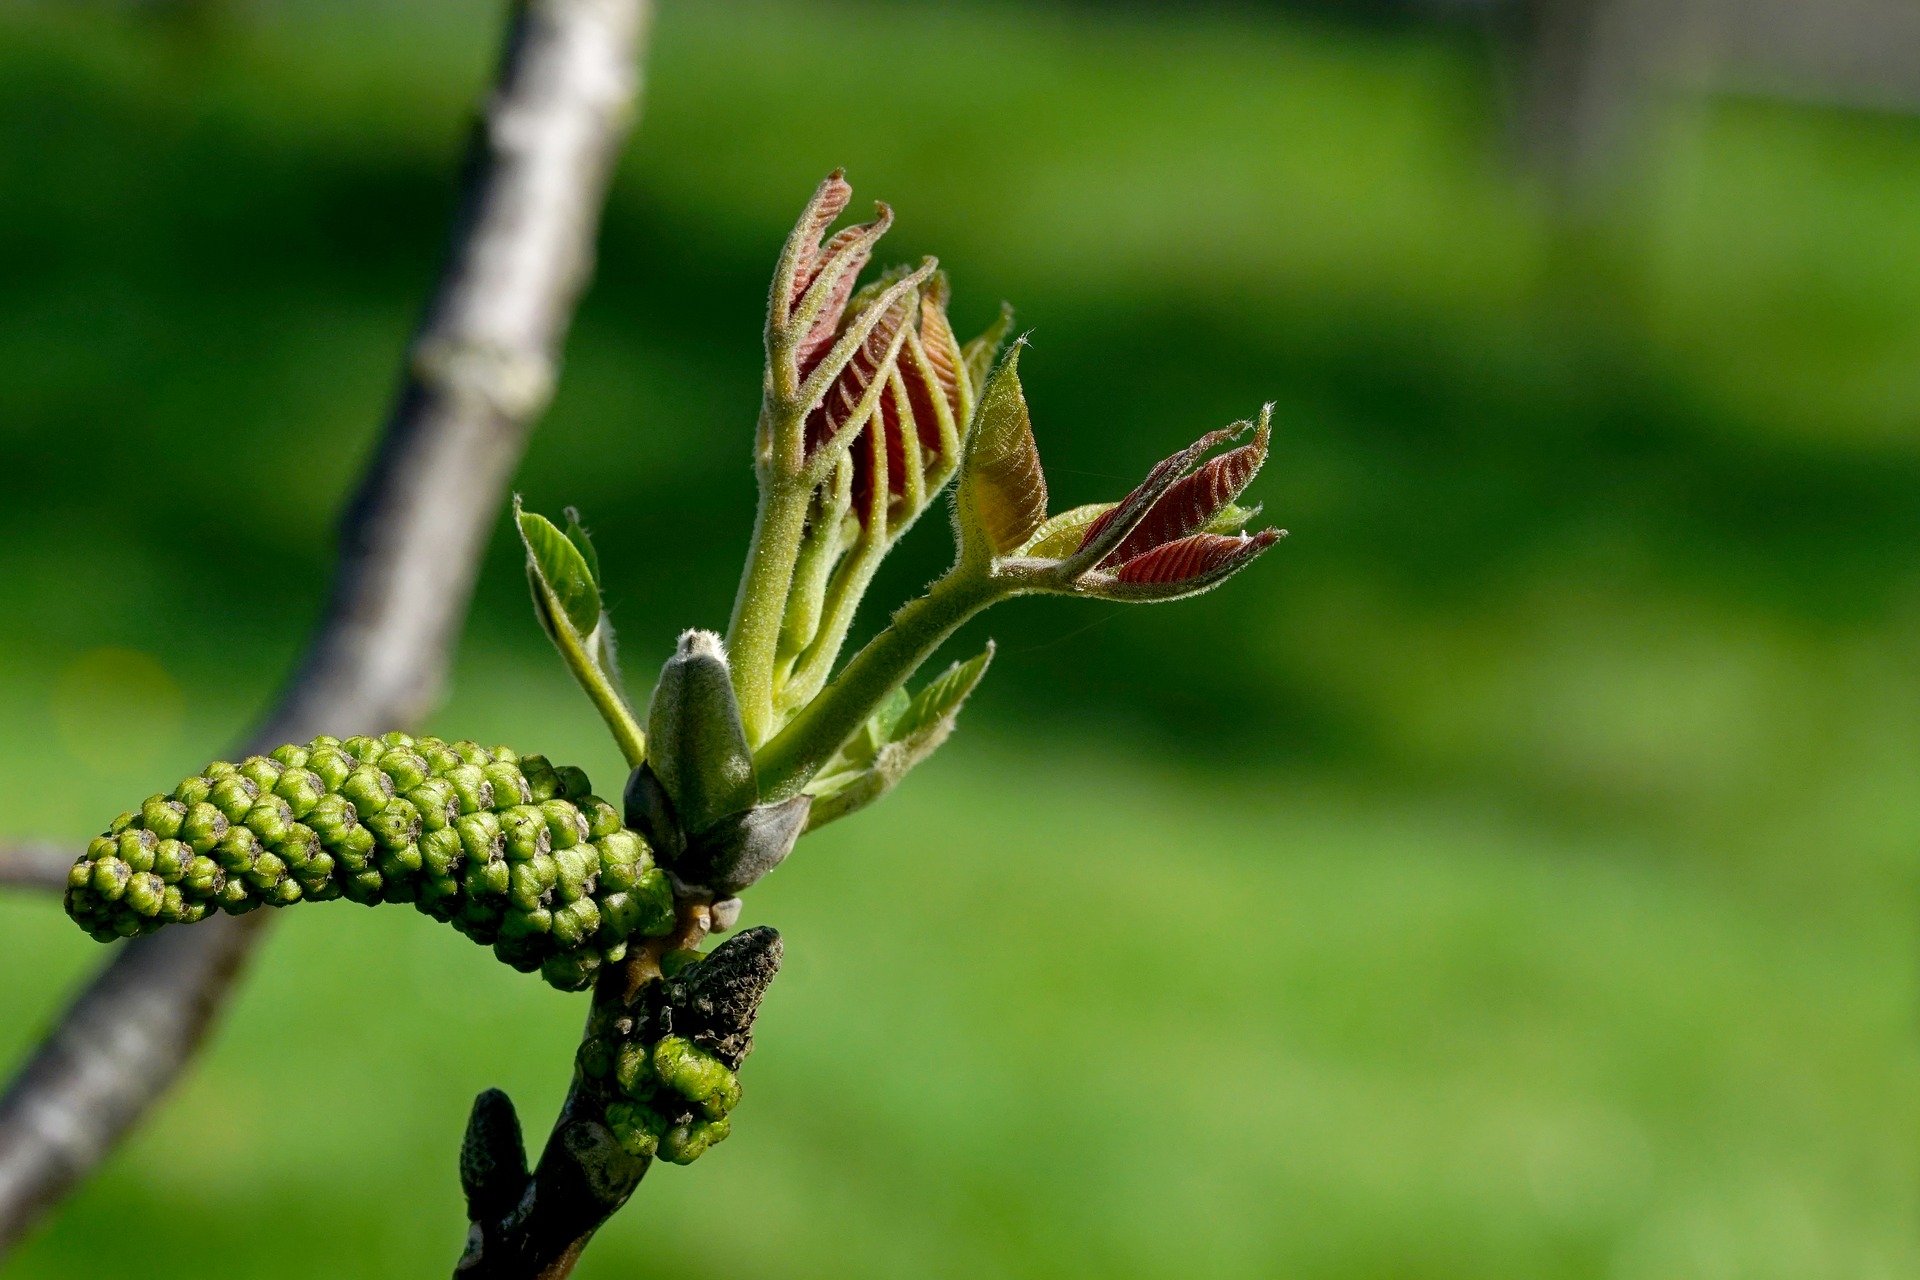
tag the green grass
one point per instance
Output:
(1066, 1015)
(1514, 875)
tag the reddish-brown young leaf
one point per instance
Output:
(870, 361)
(942, 348)
(872, 453)
(829, 201)
(1202, 558)
(921, 377)
(1106, 531)
(1190, 503)
(886, 428)
(931, 368)
(855, 246)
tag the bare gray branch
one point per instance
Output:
(40, 865)
(480, 372)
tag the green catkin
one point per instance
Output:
(513, 852)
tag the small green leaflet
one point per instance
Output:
(902, 733)
(936, 705)
(577, 535)
(561, 568)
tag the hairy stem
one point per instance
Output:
(796, 753)
(606, 697)
(753, 637)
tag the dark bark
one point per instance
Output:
(534, 1226)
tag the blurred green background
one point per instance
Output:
(1512, 875)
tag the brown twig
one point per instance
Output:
(480, 372)
(534, 1226)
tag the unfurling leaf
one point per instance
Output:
(978, 356)
(841, 261)
(696, 745)
(1062, 535)
(1231, 518)
(945, 364)
(1180, 569)
(1003, 491)
(800, 258)
(846, 383)
(577, 535)
(1191, 503)
(865, 746)
(558, 570)
(563, 572)
(934, 708)
(901, 734)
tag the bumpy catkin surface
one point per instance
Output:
(513, 852)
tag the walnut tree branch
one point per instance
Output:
(533, 1226)
(481, 370)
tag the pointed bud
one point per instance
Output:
(1003, 491)
(1180, 569)
(1180, 503)
(697, 746)
(493, 1159)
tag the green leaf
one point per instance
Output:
(862, 773)
(577, 535)
(560, 569)
(880, 725)
(1061, 535)
(564, 574)
(1230, 519)
(1003, 491)
(935, 707)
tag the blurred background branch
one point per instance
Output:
(480, 373)
(36, 865)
